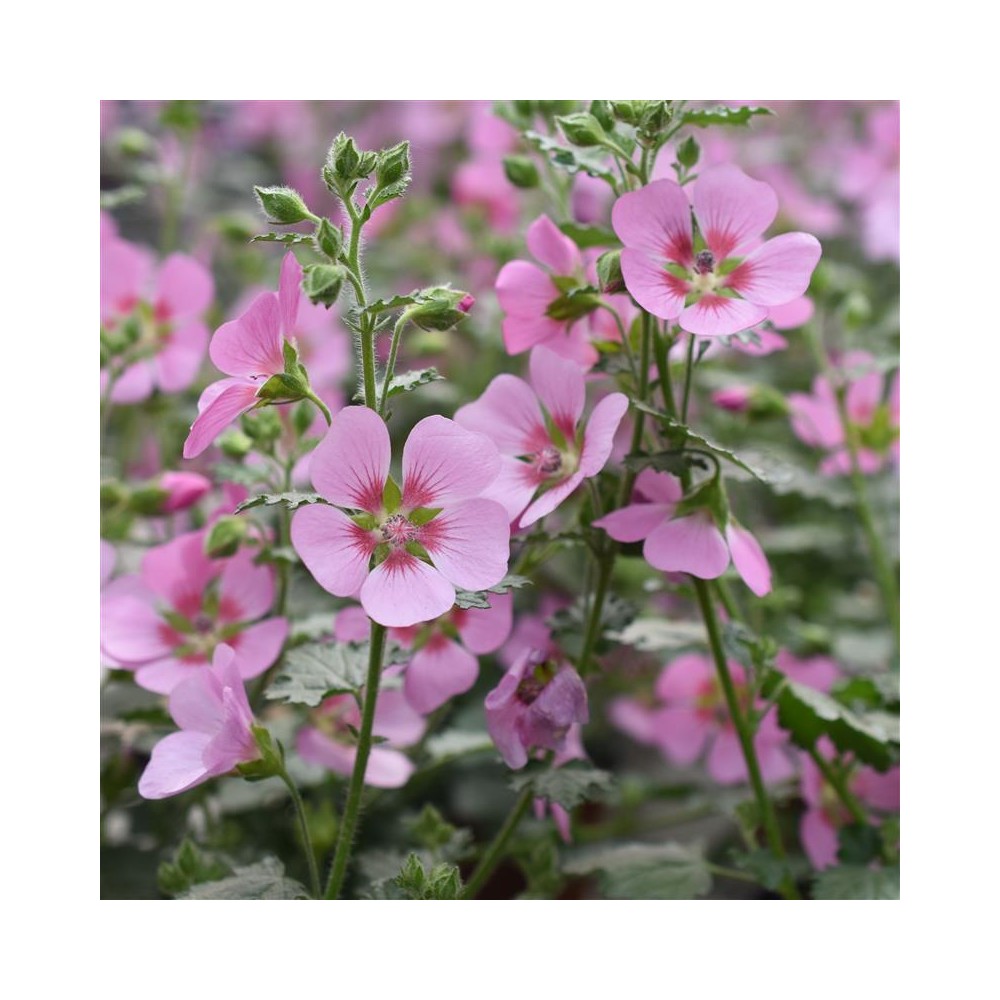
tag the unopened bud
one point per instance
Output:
(441, 308)
(323, 283)
(582, 129)
(282, 205)
(184, 489)
(329, 239)
(521, 171)
(609, 272)
(224, 537)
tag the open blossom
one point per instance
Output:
(825, 813)
(215, 720)
(328, 739)
(439, 512)
(534, 706)
(165, 304)
(537, 427)
(166, 622)
(691, 543)
(250, 350)
(816, 418)
(718, 281)
(690, 715)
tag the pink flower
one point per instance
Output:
(735, 398)
(330, 742)
(482, 184)
(816, 418)
(250, 350)
(533, 707)
(543, 447)
(825, 814)
(690, 715)
(691, 543)
(727, 286)
(182, 606)
(817, 672)
(184, 489)
(444, 663)
(165, 305)
(440, 513)
(528, 295)
(212, 710)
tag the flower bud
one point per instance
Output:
(688, 152)
(224, 537)
(184, 489)
(582, 129)
(735, 398)
(282, 205)
(323, 282)
(440, 308)
(609, 272)
(346, 164)
(235, 444)
(393, 164)
(521, 171)
(329, 239)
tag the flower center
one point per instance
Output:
(548, 461)
(397, 531)
(704, 262)
(535, 680)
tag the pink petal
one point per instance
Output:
(681, 734)
(437, 673)
(552, 248)
(656, 290)
(184, 287)
(792, 315)
(732, 209)
(131, 631)
(177, 365)
(507, 413)
(125, 271)
(551, 499)
(659, 487)
(655, 220)
(403, 590)
(634, 719)
(720, 316)
(134, 384)
(878, 790)
(691, 544)
(246, 591)
(258, 646)
(175, 766)
(396, 719)
(685, 679)
(599, 435)
(335, 550)
(251, 345)
(815, 419)
(163, 676)
(819, 839)
(521, 333)
(469, 543)
(235, 397)
(444, 463)
(351, 625)
(560, 387)
(179, 571)
(484, 630)
(817, 672)
(725, 760)
(387, 768)
(289, 295)
(634, 522)
(779, 271)
(350, 465)
(514, 486)
(749, 559)
(524, 290)
(317, 748)
(196, 703)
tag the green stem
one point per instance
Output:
(345, 836)
(688, 370)
(323, 408)
(742, 727)
(390, 366)
(307, 844)
(496, 850)
(836, 781)
(368, 368)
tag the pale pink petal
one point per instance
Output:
(779, 271)
(251, 345)
(229, 398)
(134, 384)
(878, 790)
(634, 522)
(289, 295)
(179, 571)
(351, 625)
(524, 289)
(815, 420)
(634, 719)
(725, 760)
(771, 745)
(176, 366)
(819, 839)
(514, 486)
(503, 714)
(132, 632)
(521, 333)
(184, 288)
(685, 679)
(507, 413)
(599, 435)
(317, 748)
(246, 591)
(656, 290)
(659, 487)
(387, 768)
(469, 543)
(680, 733)
(655, 220)
(233, 743)
(817, 672)
(125, 272)
(769, 341)
(552, 248)
(749, 559)
(444, 463)
(732, 208)
(720, 316)
(560, 387)
(691, 544)
(196, 703)
(792, 315)
(258, 646)
(163, 676)
(396, 719)
(335, 550)
(351, 464)
(403, 590)
(175, 766)
(439, 672)
(551, 499)
(484, 630)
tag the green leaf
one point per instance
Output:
(586, 237)
(655, 635)
(433, 832)
(408, 381)
(443, 881)
(570, 160)
(480, 599)
(568, 786)
(569, 624)
(722, 115)
(264, 880)
(857, 882)
(189, 867)
(765, 866)
(312, 627)
(288, 239)
(785, 476)
(291, 500)
(454, 743)
(646, 871)
(859, 843)
(125, 195)
(317, 670)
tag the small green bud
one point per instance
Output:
(857, 310)
(262, 426)
(688, 152)
(627, 111)
(393, 164)
(148, 500)
(224, 537)
(582, 129)
(113, 493)
(282, 205)
(521, 171)
(601, 110)
(134, 142)
(329, 239)
(283, 388)
(235, 444)
(323, 283)
(609, 272)
(441, 309)
(655, 117)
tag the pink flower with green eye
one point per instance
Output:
(428, 537)
(547, 450)
(716, 280)
(216, 721)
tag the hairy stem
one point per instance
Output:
(496, 850)
(307, 844)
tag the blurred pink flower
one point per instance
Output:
(184, 489)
